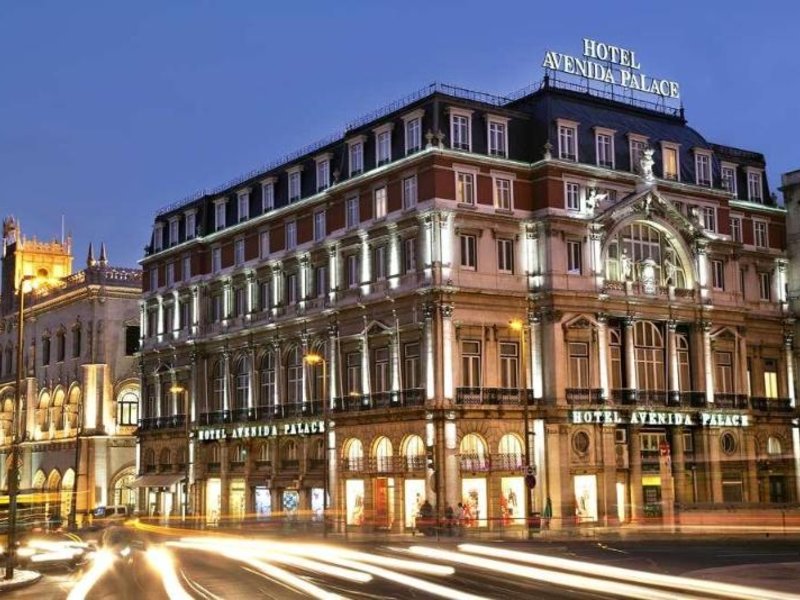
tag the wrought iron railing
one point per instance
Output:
(584, 396)
(492, 396)
(765, 404)
(724, 400)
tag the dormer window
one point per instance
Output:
(702, 167)
(173, 231)
(754, 186)
(728, 177)
(383, 144)
(356, 155)
(158, 237)
(243, 200)
(461, 129)
(567, 140)
(323, 172)
(219, 213)
(604, 147)
(190, 224)
(670, 161)
(498, 136)
(637, 144)
(413, 131)
(267, 194)
(294, 184)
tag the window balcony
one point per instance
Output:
(477, 396)
(353, 465)
(584, 396)
(765, 404)
(474, 463)
(724, 400)
(162, 423)
(379, 400)
(507, 462)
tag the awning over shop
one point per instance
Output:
(157, 481)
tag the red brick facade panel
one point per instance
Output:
(251, 246)
(227, 255)
(305, 228)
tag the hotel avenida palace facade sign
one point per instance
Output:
(465, 288)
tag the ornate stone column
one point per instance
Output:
(708, 364)
(537, 372)
(333, 272)
(447, 351)
(160, 324)
(630, 355)
(637, 494)
(602, 355)
(788, 343)
(429, 358)
(226, 370)
(674, 371)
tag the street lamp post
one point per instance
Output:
(316, 359)
(179, 389)
(13, 469)
(519, 326)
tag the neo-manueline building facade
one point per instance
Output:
(467, 264)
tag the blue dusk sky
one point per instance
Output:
(111, 110)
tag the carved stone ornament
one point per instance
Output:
(646, 165)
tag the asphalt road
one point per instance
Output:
(211, 572)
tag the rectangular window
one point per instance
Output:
(409, 192)
(170, 273)
(216, 307)
(380, 380)
(574, 257)
(469, 252)
(605, 150)
(238, 252)
(413, 135)
(502, 193)
(158, 237)
(353, 278)
(267, 196)
(244, 206)
(770, 378)
(471, 363)
(320, 281)
(320, 229)
(173, 232)
(465, 188)
(356, 158)
(379, 263)
(263, 243)
(509, 364)
(572, 193)
(729, 179)
(409, 255)
(191, 225)
(354, 372)
(153, 278)
(323, 175)
(718, 274)
(185, 313)
(264, 295)
(460, 132)
(568, 142)
(352, 215)
(505, 256)
(702, 164)
(669, 157)
(380, 203)
(760, 234)
(239, 301)
(216, 259)
(186, 268)
(637, 148)
(291, 289)
(76, 342)
(384, 147)
(294, 186)
(754, 187)
(497, 139)
(736, 229)
(45, 351)
(765, 286)
(723, 373)
(131, 339)
(709, 218)
(291, 235)
(411, 366)
(579, 365)
(219, 215)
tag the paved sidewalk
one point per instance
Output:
(21, 579)
(780, 577)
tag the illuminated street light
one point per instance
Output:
(314, 359)
(13, 470)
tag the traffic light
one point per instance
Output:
(429, 464)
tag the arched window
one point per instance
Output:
(319, 450)
(213, 454)
(294, 376)
(354, 455)
(242, 383)
(57, 409)
(267, 376)
(510, 450)
(316, 372)
(44, 411)
(290, 453)
(165, 458)
(218, 387)
(473, 453)
(649, 356)
(238, 454)
(774, 446)
(684, 369)
(641, 246)
(182, 457)
(149, 459)
(383, 454)
(73, 401)
(128, 408)
(414, 452)
(264, 453)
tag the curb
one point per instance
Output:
(15, 585)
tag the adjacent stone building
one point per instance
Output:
(78, 404)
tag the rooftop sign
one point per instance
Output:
(612, 65)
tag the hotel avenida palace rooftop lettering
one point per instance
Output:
(650, 417)
(610, 64)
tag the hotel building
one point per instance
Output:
(467, 266)
(79, 395)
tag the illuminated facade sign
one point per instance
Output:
(612, 65)
(659, 418)
(261, 431)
